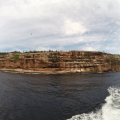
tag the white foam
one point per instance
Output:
(109, 111)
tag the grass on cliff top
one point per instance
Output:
(3, 53)
(18, 52)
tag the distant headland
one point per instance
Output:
(59, 62)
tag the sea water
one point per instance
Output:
(60, 96)
(109, 111)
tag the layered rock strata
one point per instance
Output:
(71, 61)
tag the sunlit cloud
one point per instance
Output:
(73, 28)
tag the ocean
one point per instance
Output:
(60, 96)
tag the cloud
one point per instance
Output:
(48, 48)
(72, 28)
(60, 24)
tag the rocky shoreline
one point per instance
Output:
(41, 71)
(23, 71)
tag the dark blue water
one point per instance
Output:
(52, 97)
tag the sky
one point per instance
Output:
(88, 25)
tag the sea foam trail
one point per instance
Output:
(109, 111)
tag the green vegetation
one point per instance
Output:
(112, 60)
(10, 67)
(88, 55)
(72, 60)
(11, 60)
(54, 59)
(18, 52)
(34, 51)
(3, 53)
(16, 57)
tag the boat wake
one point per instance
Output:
(109, 111)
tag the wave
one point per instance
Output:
(109, 111)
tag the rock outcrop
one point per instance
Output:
(71, 61)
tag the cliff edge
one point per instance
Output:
(61, 62)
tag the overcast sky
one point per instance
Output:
(60, 25)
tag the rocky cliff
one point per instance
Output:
(71, 61)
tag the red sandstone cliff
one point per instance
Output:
(72, 61)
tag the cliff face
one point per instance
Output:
(72, 61)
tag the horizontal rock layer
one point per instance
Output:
(71, 61)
